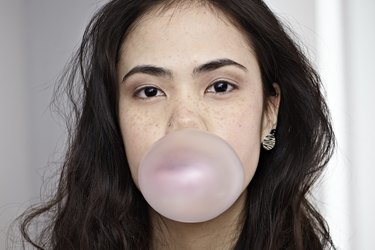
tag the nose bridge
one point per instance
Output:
(187, 112)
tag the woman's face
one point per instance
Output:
(191, 68)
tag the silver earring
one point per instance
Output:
(269, 141)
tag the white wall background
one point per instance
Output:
(38, 37)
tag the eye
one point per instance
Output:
(148, 92)
(221, 87)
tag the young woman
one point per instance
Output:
(148, 68)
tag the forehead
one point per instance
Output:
(192, 32)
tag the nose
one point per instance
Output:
(186, 113)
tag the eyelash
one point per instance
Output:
(230, 85)
(138, 92)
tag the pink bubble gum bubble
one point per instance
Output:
(191, 176)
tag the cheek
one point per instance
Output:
(138, 134)
(243, 132)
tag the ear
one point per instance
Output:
(271, 111)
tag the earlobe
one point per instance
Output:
(271, 112)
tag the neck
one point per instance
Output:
(221, 232)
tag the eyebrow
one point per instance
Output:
(216, 64)
(163, 72)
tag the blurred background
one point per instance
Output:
(38, 37)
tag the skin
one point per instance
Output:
(180, 41)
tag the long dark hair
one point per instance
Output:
(97, 205)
